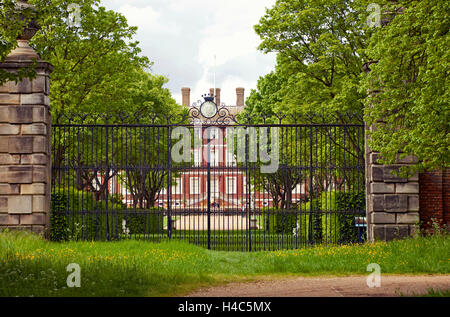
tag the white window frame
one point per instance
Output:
(178, 188)
(194, 185)
(231, 185)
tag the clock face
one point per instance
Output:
(208, 109)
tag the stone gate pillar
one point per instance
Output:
(392, 201)
(25, 132)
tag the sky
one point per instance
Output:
(181, 38)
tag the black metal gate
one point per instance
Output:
(121, 177)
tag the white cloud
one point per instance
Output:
(182, 37)
(147, 19)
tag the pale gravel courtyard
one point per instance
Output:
(218, 223)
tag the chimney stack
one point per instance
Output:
(240, 97)
(218, 96)
(186, 93)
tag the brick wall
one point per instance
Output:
(434, 197)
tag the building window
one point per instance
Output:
(177, 186)
(231, 185)
(215, 185)
(246, 187)
(194, 185)
(299, 189)
(231, 159)
(214, 155)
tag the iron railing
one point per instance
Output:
(116, 178)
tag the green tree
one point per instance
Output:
(409, 100)
(319, 52)
(94, 63)
(100, 77)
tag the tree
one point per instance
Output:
(330, 148)
(146, 153)
(94, 63)
(319, 46)
(260, 108)
(99, 77)
(409, 100)
(319, 56)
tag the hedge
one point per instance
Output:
(76, 215)
(333, 217)
(351, 203)
(279, 221)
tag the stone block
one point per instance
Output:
(33, 99)
(3, 204)
(39, 203)
(34, 129)
(379, 232)
(16, 174)
(39, 114)
(378, 203)
(40, 144)
(16, 114)
(407, 188)
(8, 159)
(32, 189)
(4, 145)
(9, 129)
(20, 144)
(36, 159)
(9, 99)
(26, 159)
(382, 218)
(9, 189)
(408, 218)
(413, 203)
(33, 219)
(23, 87)
(396, 232)
(9, 220)
(39, 174)
(382, 188)
(40, 159)
(39, 85)
(20, 204)
(5, 87)
(389, 175)
(396, 203)
(377, 174)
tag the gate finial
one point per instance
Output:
(24, 51)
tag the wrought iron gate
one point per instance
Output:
(117, 177)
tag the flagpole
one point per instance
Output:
(215, 100)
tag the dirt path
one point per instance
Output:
(353, 286)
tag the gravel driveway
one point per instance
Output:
(352, 286)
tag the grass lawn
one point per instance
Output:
(31, 266)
